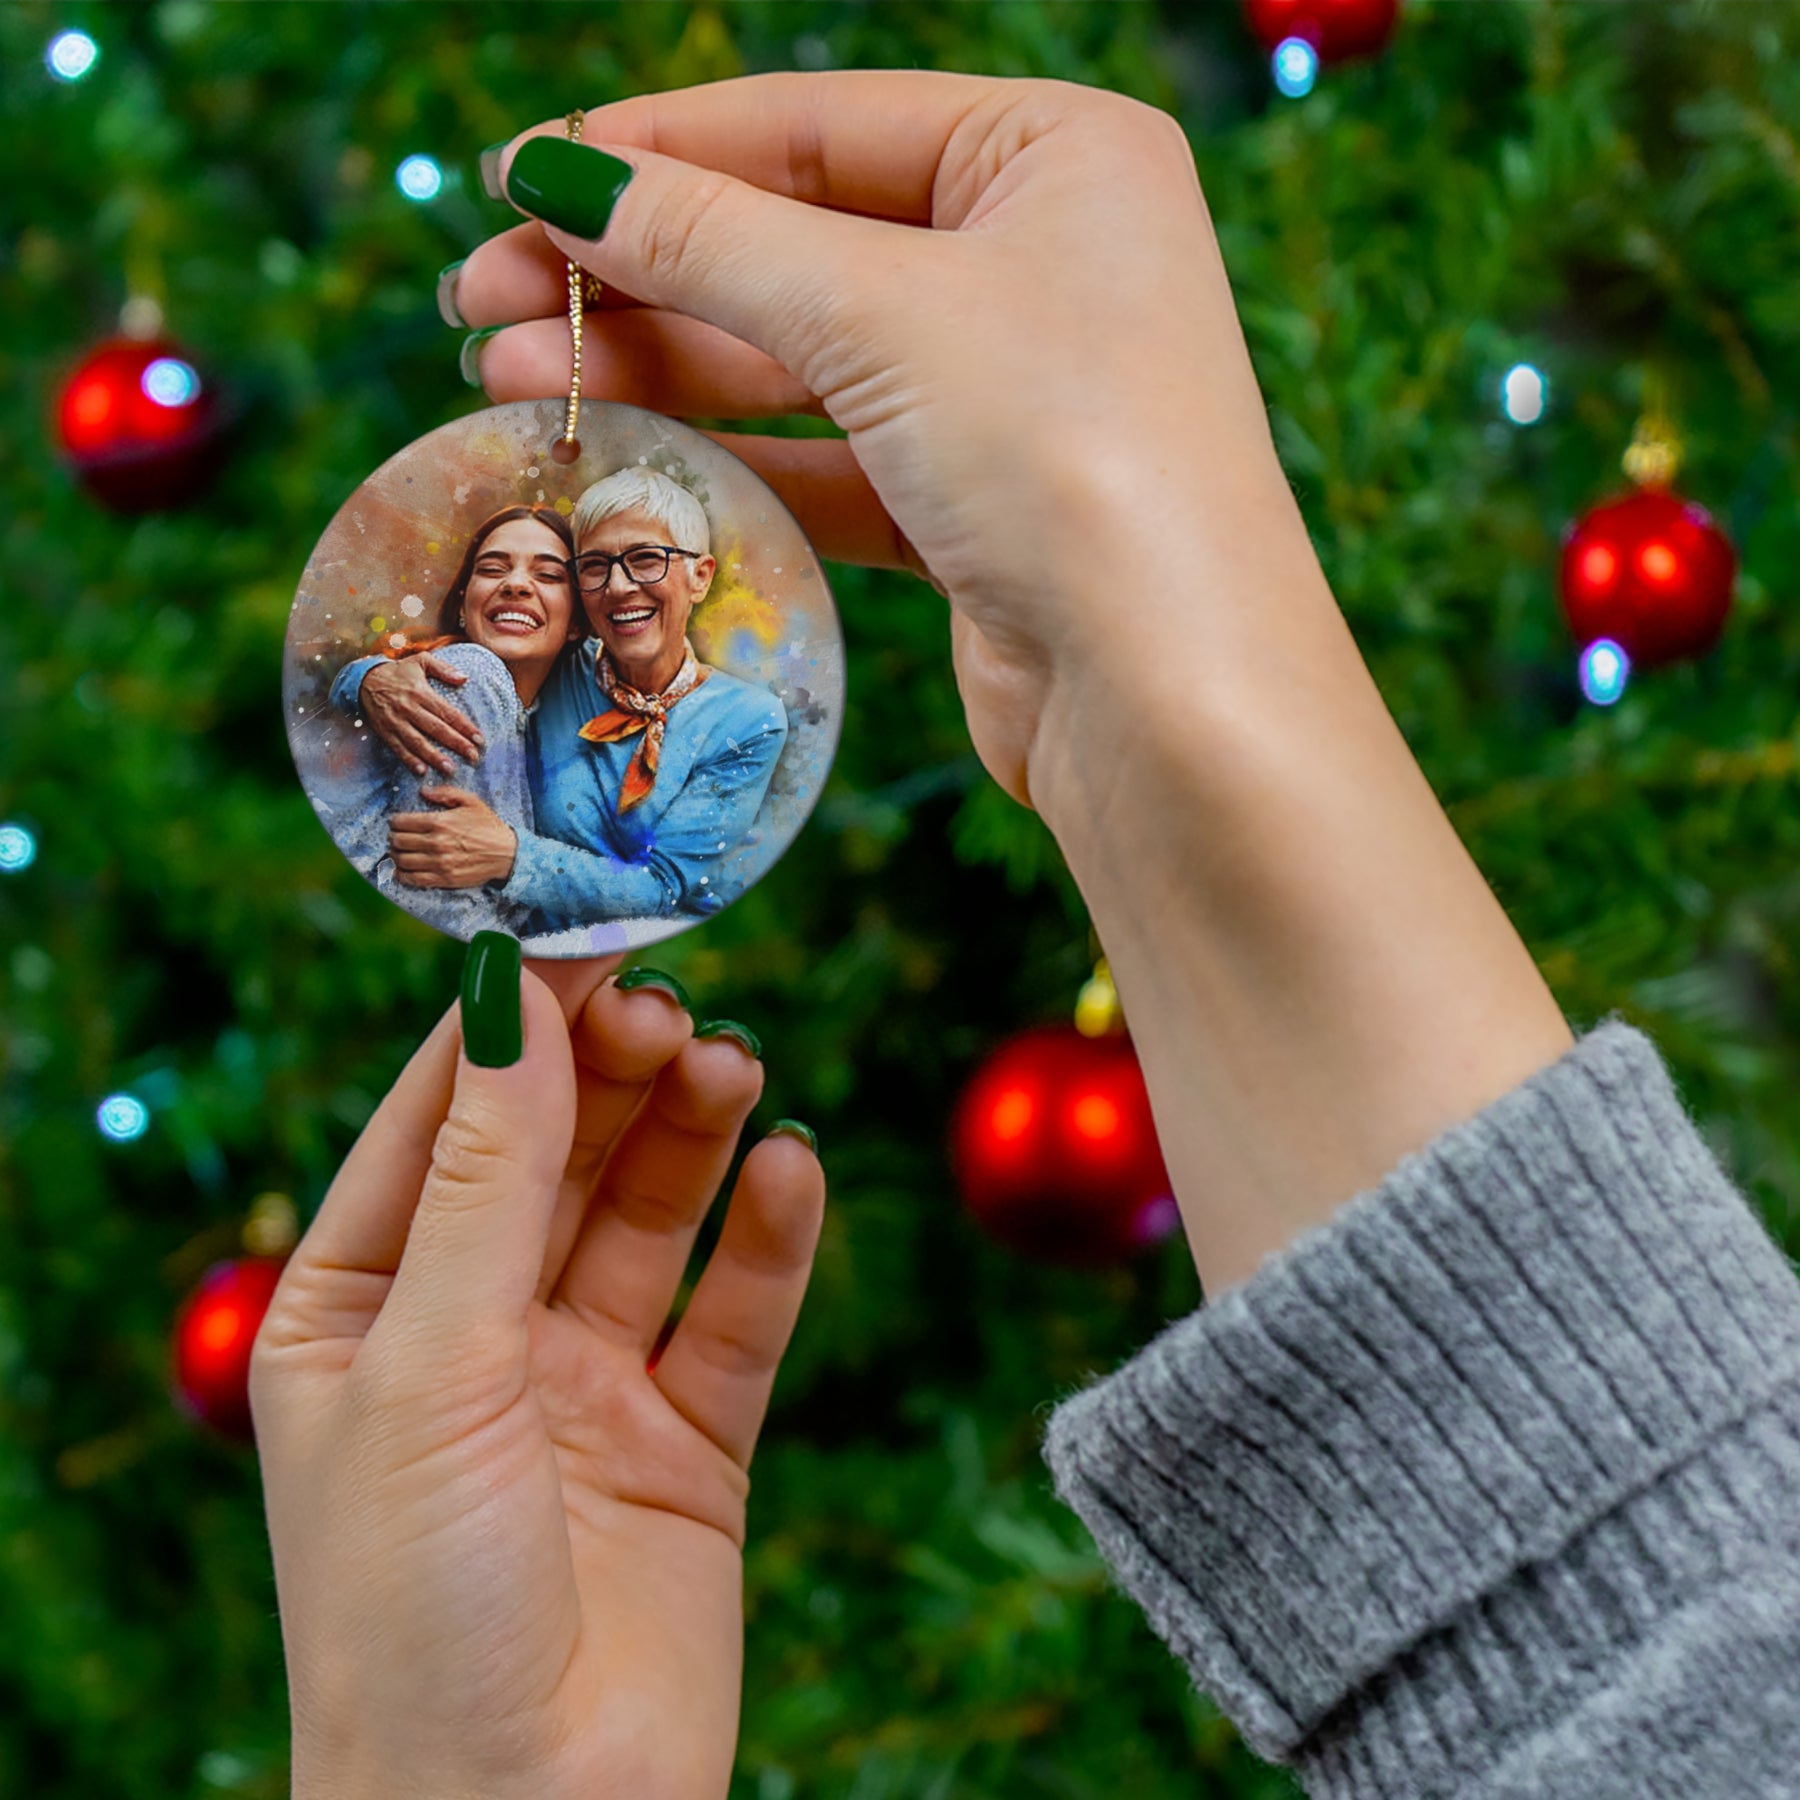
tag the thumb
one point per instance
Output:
(439, 670)
(448, 796)
(475, 1248)
(777, 273)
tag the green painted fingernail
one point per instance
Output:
(741, 1034)
(492, 1011)
(567, 185)
(489, 164)
(793, 1128)
(470, 359)
(663, 982)
(446, 295)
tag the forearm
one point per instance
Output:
(1316, 975)
(565, 881)
(346, 689)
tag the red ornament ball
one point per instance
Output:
(1056, 1152)
(139, 425)
(214, 1333)
(1336, 29)
(1652, 572)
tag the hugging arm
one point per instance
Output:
(706, 821)
(397, 700)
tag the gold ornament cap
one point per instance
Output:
(273, 1228)
(1653, 457)
(1097, 1010)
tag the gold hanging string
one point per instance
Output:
(584, 289)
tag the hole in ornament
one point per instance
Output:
(565, 450)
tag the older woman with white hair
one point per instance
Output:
(648, 765)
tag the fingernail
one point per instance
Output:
(567, 185)
(492, 1013)
(654, 978)
(446, 295)
(730, 1028)
(793, 1128)
(470, 359)
(489, 164)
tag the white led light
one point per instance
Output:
(419, 178)
(18, 849)
(1524, 393)
(171, 382)
(1296, 67)
(123, 1117)
(71, 55)
(1605, 668)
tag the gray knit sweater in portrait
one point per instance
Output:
(1490, 1485)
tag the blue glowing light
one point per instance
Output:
(1524, 393)
(1296, 67)
(71, 55)
(123, 1118)
(419, 178)
(1605, 668)
(18, 849)
(170, 382)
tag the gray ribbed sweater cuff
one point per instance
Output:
(1454, 1447)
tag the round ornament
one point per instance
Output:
(139, 425)
(1056, 1152)
(1650, 571)
(587, 700)
(1336, 29)
(214, 1334)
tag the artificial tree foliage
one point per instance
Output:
(1608, 192)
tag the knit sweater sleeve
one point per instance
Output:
(1484, 1487)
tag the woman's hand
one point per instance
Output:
(508, 1556)
(1048, 401)
(466, 844)
(1009, 295)
(415, 723)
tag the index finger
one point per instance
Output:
(868, 141)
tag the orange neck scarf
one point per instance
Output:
(634, 712)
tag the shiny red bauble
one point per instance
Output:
(1056, 1152)
(1337, 29)
(140, 425)
(1652, 572)
(214, 1333)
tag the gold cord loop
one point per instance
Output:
(584, 289)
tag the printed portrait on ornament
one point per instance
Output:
(588, 704)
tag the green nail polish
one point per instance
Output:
(492, 1012)
(446, 296)
(654, 978)
(489, 165)
(793, 1128)
(740, 1034)
(566, 185)
(469, 361)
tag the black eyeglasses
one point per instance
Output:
(645, 565)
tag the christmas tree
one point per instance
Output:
(1597, 200)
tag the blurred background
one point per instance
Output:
(1477, 257)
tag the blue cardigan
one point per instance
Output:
(666, 858)
(357, 808)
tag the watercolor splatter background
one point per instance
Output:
(379, 571)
